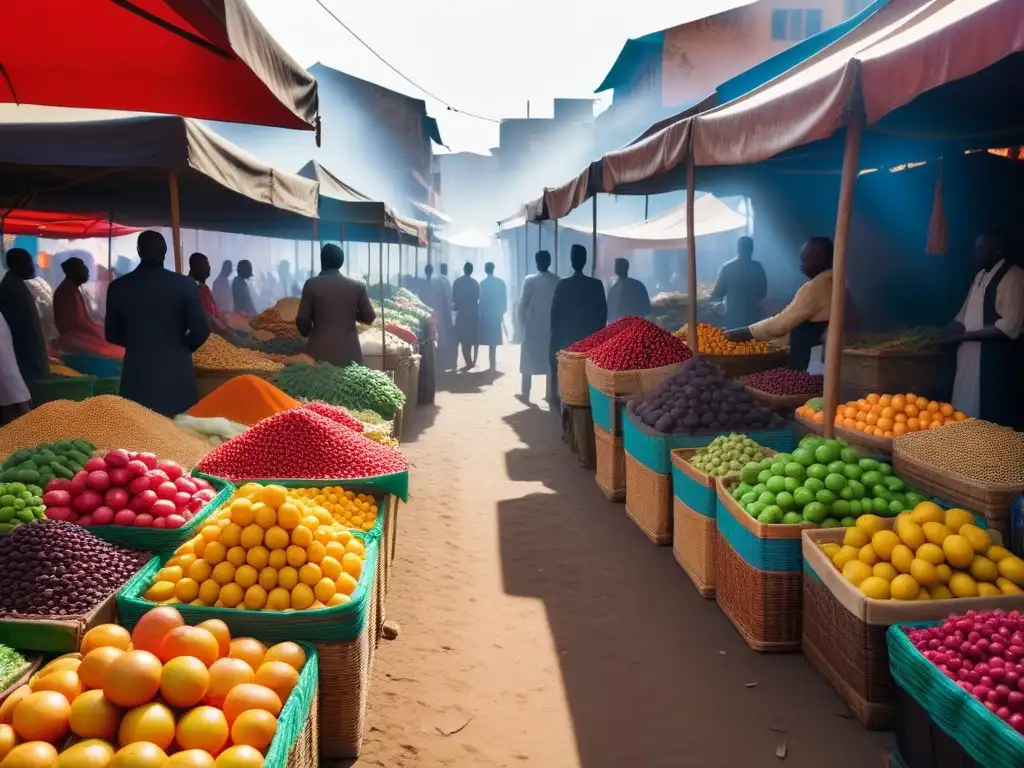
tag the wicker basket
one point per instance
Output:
(628, 382)
(572, 378)
(735, 366)
(296, 742)
(649, 501)
(608, 410)
(611, 464)
(844, 632)
(758, 575)
(992, 501)
(780, 402)
(925, 372)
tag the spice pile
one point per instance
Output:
(978, 451)
(279, 319)
(785, 381)
(52, 568)
(106, 421)
(337, 414)
(354, 386)
(272, 548)
(301, 444)
(640, 345)
(244, 399)
(218, 354)
(711, 341)
(598, 338)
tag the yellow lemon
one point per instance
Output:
(302, 597)
(209, 591)
(1012, 568)
(875, 588)
(996, 553)
(983, 569)
(215, 552)
(264, 515)
(296, 556)
(854, 571)
(235, 556)
(936, 533)
(884, 571)
(273, 495)
(223, 573)
(338, 599)
(988, 590)
(278, 559)
(902, 557)
(924, 573)
(883, 543)
(980, 540)
(1007, 587)
(940, 592)
(324, 590)
(279, 599)
(246, 576)
(160, 591)
(316, 551)
(352, 564)
(302, 536)
(957, 518)
(927, 512)
(840, 559)
(331, 568)
(268, 578)
(345, 584)
(910, 533)
(904, 587)
(258, 557)
(186, 590)
(310, 574)
(866, 555)
(200, 571)
(231, 595)
(276, 537)
(288, 516)
(241, 512)
(931, 553)
(870, 524)
(252, 536)
(922, 594)
(287, 578)
(958, 551)
(355, 546)
(944, 573)
(255, 597)
(962, 585)
(231, 535)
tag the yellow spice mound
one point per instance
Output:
(218, 354)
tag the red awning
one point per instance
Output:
(60, 226)
(209, 59)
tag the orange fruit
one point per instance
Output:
(210, 532)
(888, 413)
(141, 754)
(191, 758)
(42, 716)
(899, 428)
(901, 418)
(219, 630)
(203, 728)
(922, 403)
(873, 398)
(911, 409)
(877, 432)
(63, 681)
(93, 669)
(849, 423)
(255, 728)
(885, 401)
(960, 416)
(12, 701)
(105, 635)
(190, 641)
(225, 674)
(8, 739)
(91, 753)
(249, 650)
(33, 754)
(946, 409)
(872, 419)
(184, 681)
(133, 678)
(153, 627)
(240, 756)
(913, 424)
(290, 653)
(250, 696)
(151, 722)
(279, 677)
(899, 402)
(933, 407)
(93, 717)
(885, 424)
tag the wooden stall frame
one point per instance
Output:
(175, 220)
(691, 255)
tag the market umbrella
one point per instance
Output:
(209, 59)
(64, 226)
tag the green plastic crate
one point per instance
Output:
(295, 712)
(61, 388)
(396, 483)
(111, 386)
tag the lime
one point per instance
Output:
(784, 499)
(848, 455)
(846, 493)
(749, 474)
(913, 499)
(836, 467)
(855, 508)
(881, 506)
(868, 464)
(766, 498)
(785, 458)
(829, 522)
(793, 518)
(772, 512)
(778, 468)
(802, 497)
(759, 488)
(741, 489)
(852, 472)
(791, 484)
(825, 496)
(835, 482)
(763, 475)
(827, 452)
(880, 491)
(803, 456)
(815, 512)
(841, 508)
(755, 509)
(893, 483)
(796, 469)
(813, 484)
(871, 477)
(895, 507)
(885, 469)
(817, 471)
(748, 498)
(776, 484)
(848, 522)
(858, 489)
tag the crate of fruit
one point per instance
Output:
(784, 388)
(860, 580)
(942, 713)
(572, 378)
(294, 581)
(610, 459)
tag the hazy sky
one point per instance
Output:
(482, 56)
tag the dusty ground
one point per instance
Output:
(540, 627)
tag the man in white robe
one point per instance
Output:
(535, 318)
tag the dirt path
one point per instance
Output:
(540, 627)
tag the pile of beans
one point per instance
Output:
(301, 444)
(337, 414)
(784, 381)
(218, 354)
(57, 569)
(973, 449)
(639, 346)
(107, 422)
(598, 338)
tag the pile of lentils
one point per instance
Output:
(976, 450)
(785, 381)
(57, 569)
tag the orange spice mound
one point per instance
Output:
(243, 399)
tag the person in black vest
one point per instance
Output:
(990, 352)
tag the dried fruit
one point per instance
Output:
(640, 345)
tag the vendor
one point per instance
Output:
(19, 310)
(628, 296)
(806, 317)
(78, 332)
(742, 285)
(986, 331)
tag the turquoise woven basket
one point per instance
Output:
(295, 712)
(700, 498)
(607, 411)
(396, 483)
(763, 554)
(340, 623)
(984, 737)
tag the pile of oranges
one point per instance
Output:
(893, 415)
(271, 548)
(167, 695)
(711, 341)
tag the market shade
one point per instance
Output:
(433, 213)
(469, 238)
(365, 220)
(68, 226)
(209, 59)
(73, 160)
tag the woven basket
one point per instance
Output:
(607, 410)
(878, 445)
(992, 501)
(649, 501)
(926, 372)
(743, 365)
(758, 575)
(628, 382)
(572, 378)
(611, 465)
(780, 402)
(844, 632)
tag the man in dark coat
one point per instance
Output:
(579, 307)
(493, 305)
(628, 296)
(331, 305)
(157, 316)
(241, 296)
(22, 316)
(466, 303)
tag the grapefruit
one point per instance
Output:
(203, 728)
(93, 717)
(42, 716)
(105, 636)
(184, 681)
(153, 627)
(190, 641)
(225, 674)
(133, 678)
(250, 696)
(151, 722)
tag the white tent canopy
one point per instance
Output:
(469, 238)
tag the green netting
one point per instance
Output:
(164, 540)
(986, 738)
(338, 624)
(396, 483)
(295, 712)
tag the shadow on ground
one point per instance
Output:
(616, 603)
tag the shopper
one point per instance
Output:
(628, 296)
(15, 399)
(157, 316)
(241, 297)
(493, 306)
(466, 304)
(535, 318)
(222, 288)
(330, 307)
(19, 310)
(79, 333)
(578, 308)
(742, 285)
(447, 343)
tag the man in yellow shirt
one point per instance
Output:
(805, 318)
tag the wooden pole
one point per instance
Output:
(834, 338)
(400, 254)
(540, 235)
(430, 245)
(556, 246)
(347, 265)
(380, 269)
(110, 241)
(691, 258)
(175, 221)
(593, 245)
(313, 245)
